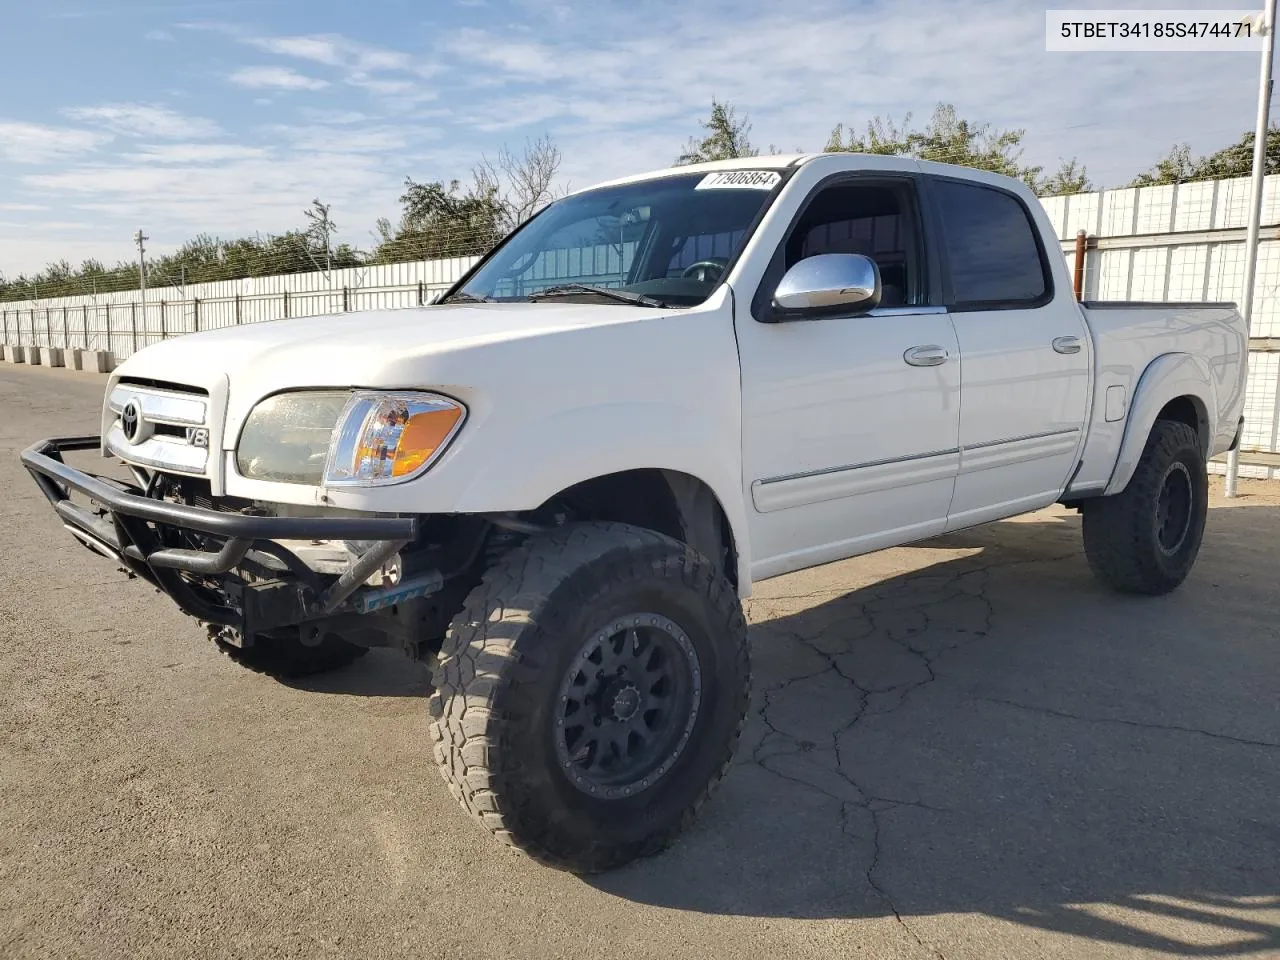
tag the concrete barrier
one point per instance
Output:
(94, 361)
(52, 356)
(15, 354)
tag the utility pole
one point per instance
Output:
(139, 239)
(1255, 200)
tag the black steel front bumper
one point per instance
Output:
(137, 531)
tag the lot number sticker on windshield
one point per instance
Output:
(740, 180)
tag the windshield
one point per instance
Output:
(661, 242)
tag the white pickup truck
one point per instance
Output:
(558, 480)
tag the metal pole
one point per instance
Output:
(1077, 280)
(139, 239)
(1255, 201)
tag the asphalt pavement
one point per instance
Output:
(962, 749)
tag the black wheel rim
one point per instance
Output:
(627, 706)
(1174, 509)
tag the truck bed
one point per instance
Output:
(1127, 338)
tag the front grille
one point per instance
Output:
(160, 424)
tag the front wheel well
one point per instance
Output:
(666, 501)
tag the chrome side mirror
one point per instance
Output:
(829, 283)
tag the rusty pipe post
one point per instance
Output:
(1082, 246)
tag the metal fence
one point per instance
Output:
(122, 328)
(124, 322)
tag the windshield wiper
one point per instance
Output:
(461, 296)
(622, 296)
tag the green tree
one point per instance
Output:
(946, 138)
(1174, 167)
(726, 138)
(441, 221)
(1237, 159)
(1071, 177)
(201, 259)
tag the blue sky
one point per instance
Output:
(228, 117)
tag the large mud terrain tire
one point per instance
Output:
(591, 693)
(1145, 539)
(285, 656)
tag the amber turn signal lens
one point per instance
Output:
(385, 437)
(423, 435)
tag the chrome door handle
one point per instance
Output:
(926, 356)
(1066, 345)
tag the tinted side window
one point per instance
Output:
(990, 245)
(875, 221)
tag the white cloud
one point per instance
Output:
(649, 70)
(403, 91)
(36, 143)
(334, 50)
(194, 153)
(276, 78)
(144, 120)
(318, 49)
(323, 138)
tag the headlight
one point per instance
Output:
(344, 437)
(389, 437)
(287, 437)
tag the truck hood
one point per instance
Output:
(465, 350)
(375, 349)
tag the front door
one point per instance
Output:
(849, 423)
(1025, 356)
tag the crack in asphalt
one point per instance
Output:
(886, 613)
(1121, 721)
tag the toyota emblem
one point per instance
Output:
(131, 421)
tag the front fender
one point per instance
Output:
(1166, 378)
(553, 453)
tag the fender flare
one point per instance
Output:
(1167, 377)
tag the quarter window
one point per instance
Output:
(991, 246)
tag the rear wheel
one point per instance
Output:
(591, 693)
(1145, 539)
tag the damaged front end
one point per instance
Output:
(249, 572)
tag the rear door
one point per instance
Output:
(1025, 353)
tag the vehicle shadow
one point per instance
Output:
(996, 734)
(379, 673)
